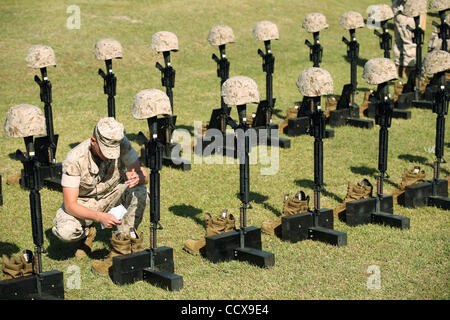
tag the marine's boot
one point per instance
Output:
(291, 113)
(14, 179)
(120, 244)
(365, 104)
(424, 81)
(214, 225)
(298, 204)
(12, 268)
(136, 241)
(409, 177)
(85, 247)
(361, 190)
(398, 89)
(330, 105)
(27, 263)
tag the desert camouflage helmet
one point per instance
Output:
(439, 5)
(107, 49)
(351, 20)
(23, 120)
(265, 30)
(380, 12)
(414, 8)
(436, 61)
(315, 82)
(40, 56)
(379, 70)
(220, 34)
(240, 90)
(314, 22)
(164, 41)
(149, 103)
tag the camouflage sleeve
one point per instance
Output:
(127, 154)
(71, 174)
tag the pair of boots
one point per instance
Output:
(16, 267)
(298, 204)
(214, 225)
(361, 190)
(291, 113)
(120, 244)
(409, 177)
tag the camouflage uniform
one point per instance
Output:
(101, 187)
(404, 48)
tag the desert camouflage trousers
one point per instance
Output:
(404, 47)
(70, 229)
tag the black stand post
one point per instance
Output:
(1, 194)
(435, 192)
(411, 91)
(51, 171)
(385, 39)
(243, 244)
(154, 265)
(109, 87)
(315, 50)
(263, 119)
(166, 125)
(40, 285)
(319, 223)
(378, 209)
(347, 111)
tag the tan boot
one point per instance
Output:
(365, 104)
(298, 204)
(361, 190)
(11, 267)
(27, 263)
(330, 105)
(291, 113)
(136, 241)
(214, 225)
(409, 177)
(398, 89)
(120, 244)
(85, 247)
(14, 179)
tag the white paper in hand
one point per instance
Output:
(118, 212)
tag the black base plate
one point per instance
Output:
(417, 195)
(264, 139)
(398, 114)
(262, 259)
(300, 126)
(348, 116)
(163, 279)
(26, 288)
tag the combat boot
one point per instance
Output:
(85, 247)
(27, 263)
(136, 241)
(120, 244)
(365, 104)
(330, 105)
(14, 179)
(409, 177)
(291, 113)
(214, 225)
(11, 267)
(361, 190)
(398, 89)
(296, 205)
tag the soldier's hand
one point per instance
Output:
(108, 220)
(132, 178)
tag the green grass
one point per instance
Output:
(414, 264)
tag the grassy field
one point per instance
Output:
(414, 264)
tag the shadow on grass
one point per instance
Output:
(261, 199)
(134, 137)
(364, 171)
(187, 211)
(8, 248)
(309, 184)
(13, 156)
(360, 62)
(73, 144)
(421, 160)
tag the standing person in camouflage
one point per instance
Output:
(404, 48)
(101, 173)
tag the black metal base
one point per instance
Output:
(135, 267)
(301, 227)
(364, 211)
(421, 195)
(50, 174)
(226, 149)
(265, 140)
(398, 114)
(168, 161)
(348, 116)
(300, 126)
(226, 247)
(26, 288)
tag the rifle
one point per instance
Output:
(154, 159)
(385, 39)
(109, 87)
(34, 183)
(352, 54)
(264, 116)
(167, 76)
(315, 50)
(383, 118)
(444, 30)
(1, 195)
(413, 84)
(223, 71)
